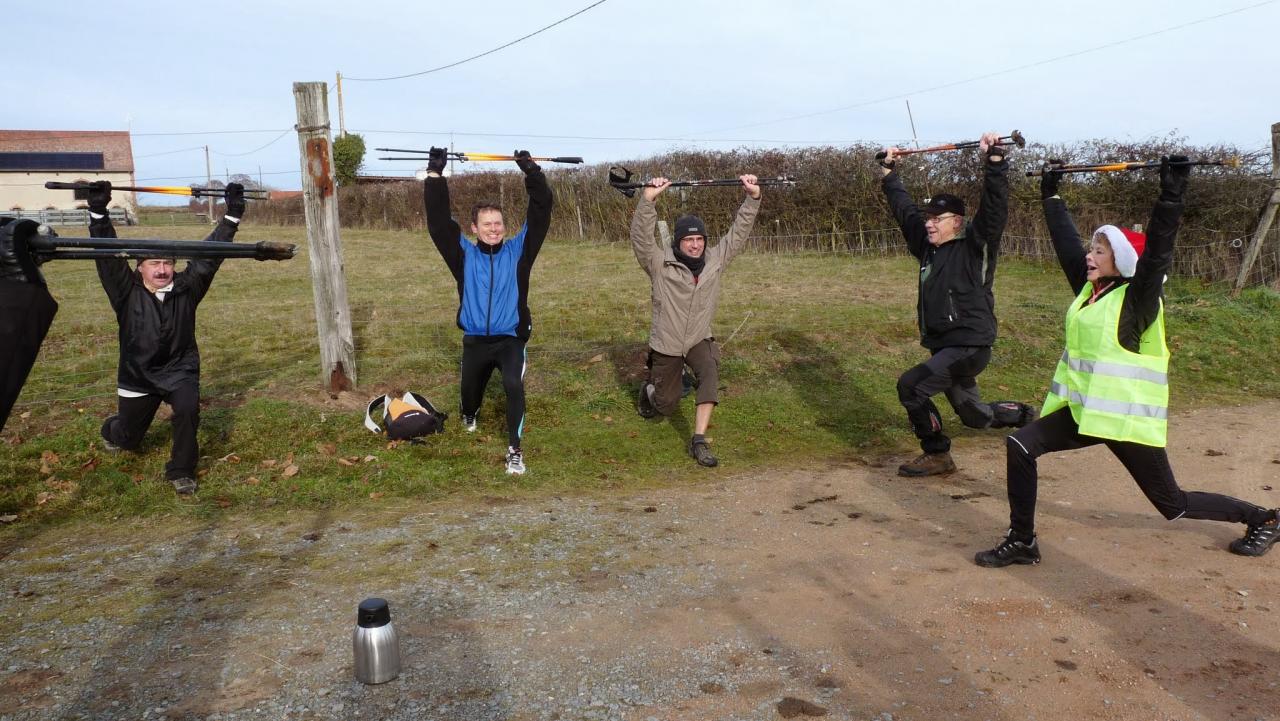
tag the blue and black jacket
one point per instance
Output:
(493, 280)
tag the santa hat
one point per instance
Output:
(1126, 246)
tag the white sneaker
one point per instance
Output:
(515, 461)
(469, 424)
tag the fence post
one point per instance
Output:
(320, 202)
(664, 232)
(1268, 214)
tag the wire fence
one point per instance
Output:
(257, 328)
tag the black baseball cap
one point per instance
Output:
(943, 203)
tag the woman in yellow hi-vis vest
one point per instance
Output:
(1111, 384)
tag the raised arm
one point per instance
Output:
(541, 200)
(443, 229)
(736, 239)
(200, 271)
(644, 223)
(904, 210)
(114, 273)
(1062, 231)
(993, 206)
(1142, 301)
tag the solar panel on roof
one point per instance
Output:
(51, 161)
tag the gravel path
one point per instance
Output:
(840, 590)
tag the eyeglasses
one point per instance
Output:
(940, 218)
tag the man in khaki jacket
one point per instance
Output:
(686, 287)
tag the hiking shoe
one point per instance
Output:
(644, 402)
(515, 461)
(1257, 539)
(1011, 414)
(468, 423)
(701, 452)
(1009, 551)
(184, 486)
(928, 464)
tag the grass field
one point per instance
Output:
(814, 344)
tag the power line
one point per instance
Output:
(487, 52)
(169, 152)
(628, 139)
(251, 152)
(997, 73)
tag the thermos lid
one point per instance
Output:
(374, 612)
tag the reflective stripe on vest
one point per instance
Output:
(1112, 392)
(1115, 370)
(1108, 405)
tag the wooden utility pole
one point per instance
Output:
(342, 119)
(320, 201)
(1268, 213)
(208, 182)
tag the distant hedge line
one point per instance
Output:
(838, 198)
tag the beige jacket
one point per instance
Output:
(682, 309)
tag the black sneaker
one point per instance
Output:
(701, 452)
(644, 402)
(1009, 551)
(1257, 539)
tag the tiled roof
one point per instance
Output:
(115, 145)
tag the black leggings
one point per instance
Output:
(480, 356)
(1148, 465)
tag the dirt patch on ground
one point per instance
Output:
(837, 590)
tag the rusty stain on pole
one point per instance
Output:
(318, 166)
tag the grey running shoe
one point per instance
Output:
(184, 486)
(469, 423)
(515, 461)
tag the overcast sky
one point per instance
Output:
(630, 79)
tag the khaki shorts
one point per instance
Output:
(665, 372)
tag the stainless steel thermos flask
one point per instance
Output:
(376, 646)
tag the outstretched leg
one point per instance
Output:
(1149, 467)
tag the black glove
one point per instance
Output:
(887, 165)
(437, 159)
(19, 266)
(1174, 173)
(525, 162)
(235, 200)
(1049, 181)
(99, 196)
(996, 153)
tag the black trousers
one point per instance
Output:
(127, 428)
(1148, 465)
(953, 371)
(481, 354)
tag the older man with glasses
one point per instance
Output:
(955, 308)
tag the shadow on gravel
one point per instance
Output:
(820, 378)
(1216, 683)
(178, 653)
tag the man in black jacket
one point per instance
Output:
(955, 308)
(159, 360)
(492, 274)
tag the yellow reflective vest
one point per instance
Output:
(1112, 392)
